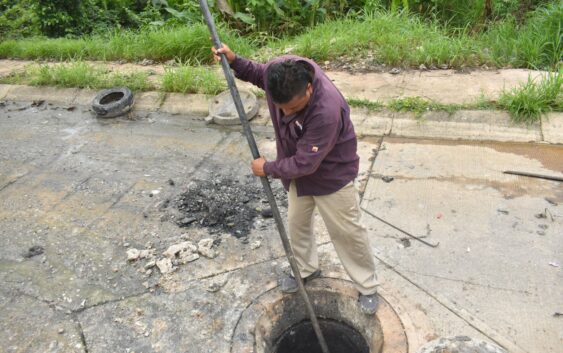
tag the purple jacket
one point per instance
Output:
(316, 146)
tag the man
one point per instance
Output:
(317, 164)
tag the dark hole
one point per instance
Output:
(340, 338)
(112, 97)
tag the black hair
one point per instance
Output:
(288, 79)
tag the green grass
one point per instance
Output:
(419, 105)
(184, 43)
(190, 79)
(537, 44)
(365, 103)
(531, 100)
(397, 39)
(81, 75)
(183, 79)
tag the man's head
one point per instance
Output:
(290, 83)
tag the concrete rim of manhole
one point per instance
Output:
(273, 312)
(223, 111)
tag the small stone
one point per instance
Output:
(34, 251)
(148, 272)
(143, 254)
(422, 67)
(387, 179)
(255, 244)
(186, 257)
(61, 331)
(187, 220)
(267, 212)
(395, 71)
(133, 254)
(165, 266)
(175, 249)
(126, 245)
(327, 63)
(150, 264)
(204, 247)
(216, 285)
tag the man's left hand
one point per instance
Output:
(258, 167)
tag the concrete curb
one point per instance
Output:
(462, 125)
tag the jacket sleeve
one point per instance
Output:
(316, 143)
(249, 71)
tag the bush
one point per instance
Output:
(17, 19)
(536, 44)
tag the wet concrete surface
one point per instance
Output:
(88, 190)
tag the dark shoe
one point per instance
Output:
(368, 303)
(289, 284)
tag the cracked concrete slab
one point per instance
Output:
(552, 128)
(21, 93)
(176, 103)
(31, 325)
(444, 86)
(480, 125)
(494, 256)
(84, 189)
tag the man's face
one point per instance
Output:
(296, 103)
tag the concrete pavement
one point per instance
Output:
(481, 125)
(83, 189)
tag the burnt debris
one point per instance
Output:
(225, 204)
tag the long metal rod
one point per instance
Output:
(264, 180)
(533, 175)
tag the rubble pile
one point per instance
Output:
(225, 204)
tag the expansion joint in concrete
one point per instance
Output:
(469, 319)
(471, 283)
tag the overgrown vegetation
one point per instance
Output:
(528, 102)
(182, 79)
(190, 79)
(158, 44)
(514, 33)
(81, 75)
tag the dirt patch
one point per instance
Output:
(225, 204)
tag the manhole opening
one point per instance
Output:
(279, 323)
(340, 338)
(112, 97)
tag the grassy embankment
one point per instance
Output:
(391, 39)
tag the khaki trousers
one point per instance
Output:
(341, 214)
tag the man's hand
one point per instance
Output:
(224, 50)
(258, 167)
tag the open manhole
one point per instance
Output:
(279, 323)
(340, 337)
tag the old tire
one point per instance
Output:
(113, 102)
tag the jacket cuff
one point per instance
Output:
(268, 168)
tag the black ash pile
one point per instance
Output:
(225, 204)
